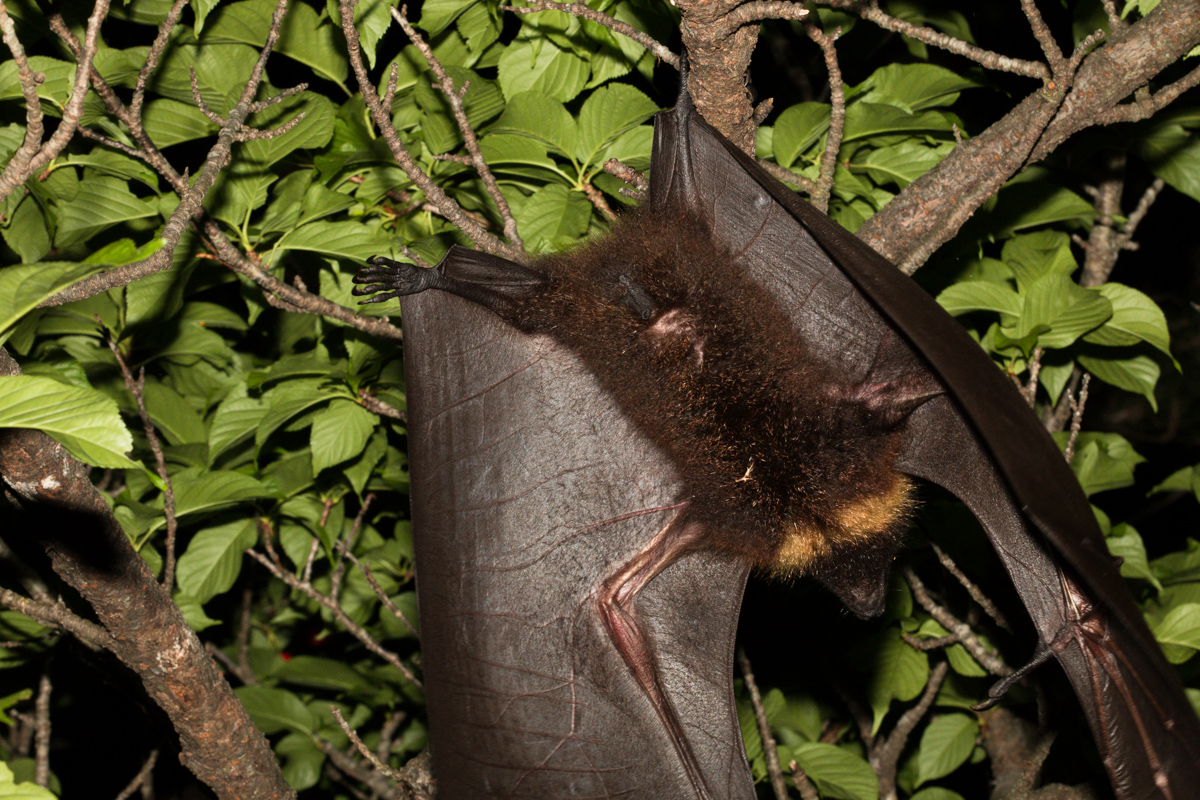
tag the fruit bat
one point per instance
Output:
(604, 442)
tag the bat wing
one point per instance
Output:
(528, 485)
(981, 441)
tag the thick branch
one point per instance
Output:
(931, 210)
(64, 513)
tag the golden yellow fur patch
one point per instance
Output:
(804, 545)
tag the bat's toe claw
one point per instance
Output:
(394, 277)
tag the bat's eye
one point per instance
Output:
(636, 298)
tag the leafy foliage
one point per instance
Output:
(266, 435)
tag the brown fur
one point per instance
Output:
(780, 467)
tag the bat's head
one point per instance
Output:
(858, 573)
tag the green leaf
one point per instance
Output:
(83, 421)
(898, 672)
(607, 113)
(1136, 318)
(237, 419)
(1173, 153)
(1136, 373)
(946, 743)
(353, 241)
(28, 233)
(323, 673)
(868, 120)
(1026, 205)
(541, 118)
(901, 163)
(797, 129)
(339, 432)
(543, 69)
(552, 213)
(1060, 311)
(198, 491)
(1102, 461)
(9, 788)
(213, 559)
(961, 298)
(936, 793)
(169, 122)
(275, 710)
(1179, 632)
(102, 201)
(1183, 480)
(837, 772)
(1126, 544)
(55, 89)
(914, 87)
(1030, 256)
(172, 414)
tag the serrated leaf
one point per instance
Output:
(1102, 461)
(213, 559)
(607, 113)
(543, 69)
(102, 201)
(901, 163)
(323, 673)
(275, 710)
(914, 87)
(10, 789)
(169, 122)
(837, 772)
(899, 672)
(1031, 256)
(946, 743)
(1183, 480)
(237, 419)
(339, 432)
(172, 414)
(541, 118)
(198, 491)
(84, 421)
(1026, 205)
(1136, 373)
(1136, 318)
(797, 129)
(1173, 153)
(980, 296)
(353, 241)
(1060, 311)
(867, 120)
(554, 212)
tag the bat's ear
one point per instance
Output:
(891, 400)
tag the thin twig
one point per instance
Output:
(33, 154)
(1146, 105)
(357, 631)
(755, 12)
(837, 117)
(987, 659)
(785, 175)
(134, 387)
(446, 84)
(1045, 39)
(1077, 407)
(373, 404)
(141, 779)
(661, 52)
(382, 116)
(976, 593)
(41, 736)
(870, 11)
(807, 790)
(887, 757)
(770, 752)
(367, 573)
(56, 615)
(598, 201)
(362, 748)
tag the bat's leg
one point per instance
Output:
(495, 283)
(615, 603)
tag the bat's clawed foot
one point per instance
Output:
(393, 279)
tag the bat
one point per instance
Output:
(604, 442)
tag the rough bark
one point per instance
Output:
(66, 514)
